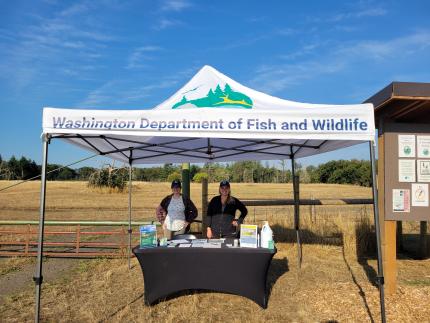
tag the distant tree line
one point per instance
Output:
(356, 172)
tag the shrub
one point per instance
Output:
(109, 177)
(199, 177)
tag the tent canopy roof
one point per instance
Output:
(213, 118)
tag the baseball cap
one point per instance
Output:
(224, 183)
(176, 183)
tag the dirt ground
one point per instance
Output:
(330, 287)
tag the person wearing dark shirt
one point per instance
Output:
(221, 215)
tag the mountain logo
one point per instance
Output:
(219, 98)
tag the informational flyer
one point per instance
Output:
(248, 235)
(401, 200)
(148, 236)
(420, 195)
(423, 146)
(423, 170)
(406, 170)
(406, 145)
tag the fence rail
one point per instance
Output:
(81, 242)
(72, 243)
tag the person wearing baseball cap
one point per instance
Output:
(221, 215)
(176, 211)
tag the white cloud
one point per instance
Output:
(336, 58)
(371, 49)
(120, 93)
(164, 23)
(139, 55)
(175, 5)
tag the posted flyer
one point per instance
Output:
(401, 200)
(423, 170)
(420, 195)
(423, 146)
(406, 145)
(406, 170)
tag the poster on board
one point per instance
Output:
(406, 170)
(406, 145)
(420, 195)
(401, 200)
(423, 170)
(423, 146)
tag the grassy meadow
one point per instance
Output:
(336, 282)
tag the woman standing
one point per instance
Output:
(221, 216)
(176, 211)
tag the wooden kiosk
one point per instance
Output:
(402, 116)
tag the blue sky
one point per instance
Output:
(134, 54)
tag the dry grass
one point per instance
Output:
(332, 284)
(323, 290)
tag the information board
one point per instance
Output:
(407, 172)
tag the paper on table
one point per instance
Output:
(212, 245)
(179, 241)
(184, 245)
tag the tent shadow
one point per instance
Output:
(282, 234)
(277, 269)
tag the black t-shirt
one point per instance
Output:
(220, 218)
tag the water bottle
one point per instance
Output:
(266, 235)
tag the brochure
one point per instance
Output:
(248, 236)
(148, 236)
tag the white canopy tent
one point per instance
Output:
(211, 118)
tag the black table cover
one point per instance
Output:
(240, 271)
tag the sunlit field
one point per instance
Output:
(335, 283)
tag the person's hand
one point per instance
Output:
(209, 233)
(235, 223)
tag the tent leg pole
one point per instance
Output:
(129, 215)
(380, 277)
(38, 278)
(296, 212)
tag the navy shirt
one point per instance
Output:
(220, 219)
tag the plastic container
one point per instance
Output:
(266, 235)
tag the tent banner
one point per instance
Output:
(347, 122)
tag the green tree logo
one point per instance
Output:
(219, 98)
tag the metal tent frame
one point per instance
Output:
(207, 152)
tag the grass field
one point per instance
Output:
(336, 282)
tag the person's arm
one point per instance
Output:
(243, 211)
(208, 221)
(191, 211)
(161, 210)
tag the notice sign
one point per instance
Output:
(401, 200)
(423, 170)
(406, 145)
(423, 143)
(420, 195)
(406, 170)
(248, 236)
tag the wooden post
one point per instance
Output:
(423, 252)
(204, 204)
(399, 236)
(388, 228)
